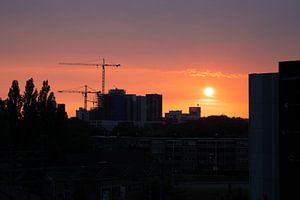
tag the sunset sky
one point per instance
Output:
(173, 47)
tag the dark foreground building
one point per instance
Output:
(274, 133)
(289, 129)
(86, 176)
(186, 155)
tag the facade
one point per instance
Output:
(274, 133)
(173, 116)
(186, 155)
(114, 105)
(82, 114)
(176, 116)
(289, 129)
(131, 107)
(61, 111)
(195, 112)
(154, 107)
(263, 136)
(141, 108)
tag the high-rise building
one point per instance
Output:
(263, 136)
(114, 105)
(131, 107)
(154, 107)
(274, 133)
(118, 107)
(289, 129)
(141, 108)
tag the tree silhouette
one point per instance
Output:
(1, 105)
(42, 100)
(31, 119)
(30, 101)
(13, 107)
(51, 104)
(47, 108)
(3, 123)
(2, 110)
(14, 102)
(30, 114)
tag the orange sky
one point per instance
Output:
(176, 48)
(180, 88)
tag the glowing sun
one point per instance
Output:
(209, 91)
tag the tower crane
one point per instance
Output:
(84, 94)
(103, 64)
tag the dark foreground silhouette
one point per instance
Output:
(45, 155)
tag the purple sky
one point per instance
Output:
(228, 36)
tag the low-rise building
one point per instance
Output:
(186, 154)
(177, 116)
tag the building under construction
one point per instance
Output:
(117, 106)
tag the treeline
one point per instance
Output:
(32, 120)
(211, 126)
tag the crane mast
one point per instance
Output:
(84, 94)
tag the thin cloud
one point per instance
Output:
(207, 73)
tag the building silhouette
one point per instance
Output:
(177, 116)
(274, 133)
(141, 108)
(114, 105)
(195, 111)
(186, 155)
(289, 129)
(154, 107)
(263, 136)
(117, 107)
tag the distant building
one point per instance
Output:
(154, 107)
(195, 112)
(176, 116)
(118, 107)
(114, 105)
(82, 114)
(173, 116)
(61, 107)
(61, 111)
(274, 109)
(141, 108)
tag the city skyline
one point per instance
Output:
(172, 48)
